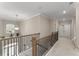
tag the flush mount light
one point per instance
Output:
(64, 12)
(16, 28)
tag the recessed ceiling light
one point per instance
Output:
(64, 12)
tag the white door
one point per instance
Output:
(64, 30)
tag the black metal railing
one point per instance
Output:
(44, 44)
(15, 45)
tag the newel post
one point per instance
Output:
(34, 46)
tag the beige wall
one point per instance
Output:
(77, 27)
(53, 25)
(37, 24)
(1, 27)
(30, 26)
(44, 26)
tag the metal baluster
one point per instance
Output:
(19, 45)
(4, 43)
(41, 50)
(11, 47)
(7, 47)
(16, 46)
(23, 43)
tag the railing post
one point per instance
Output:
(1, 42)
(34, 46)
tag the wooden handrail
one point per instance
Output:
(19, 36)
(44, 38)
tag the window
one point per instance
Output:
(10, 28)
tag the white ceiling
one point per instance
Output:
(25, 10)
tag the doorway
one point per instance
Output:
(64, 30)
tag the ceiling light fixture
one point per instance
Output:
(64, 12)
(16, 28)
